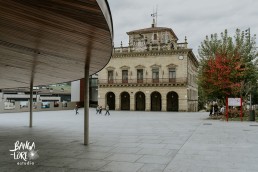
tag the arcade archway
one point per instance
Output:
(125, 101)
(172, 101)
(140, 101)
(155, 101)
(111, 100)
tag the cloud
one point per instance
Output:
(194, 19)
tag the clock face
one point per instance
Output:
(181, 57)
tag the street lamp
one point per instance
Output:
(250, 96)
(251, 111)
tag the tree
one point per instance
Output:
(222, 76)
(227, 66)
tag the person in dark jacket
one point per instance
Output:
(211, 108)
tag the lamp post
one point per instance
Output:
(251, 111)
(250, 101)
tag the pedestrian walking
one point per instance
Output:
(211, 108)
(222, 110)
(107, 110)
(216, 108)
(97, 109)
(76, 110)
(100, 110)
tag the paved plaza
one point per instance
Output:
(130, 141)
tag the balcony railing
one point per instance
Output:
(153, 46)
(144, 81)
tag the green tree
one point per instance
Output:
(227, 65)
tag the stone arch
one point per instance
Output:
(111, 100)
(172, 101)
(155, 101)
(140, 101)
(125, 100)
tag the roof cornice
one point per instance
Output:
(151, 53)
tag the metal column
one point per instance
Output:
(31, 102)
(86, 104)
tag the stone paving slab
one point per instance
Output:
(154, 151)
(122, 167)
(155, 159)
(88, 164)
(124, 157)
(152, 168)
(130, 141)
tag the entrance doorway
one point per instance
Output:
(140, 101)
(125, 101)
(172, 101)
(155, 101)
(111, 100)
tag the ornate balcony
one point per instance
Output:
(143, 82)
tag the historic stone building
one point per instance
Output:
(154, 73)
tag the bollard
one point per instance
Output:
(252, 115)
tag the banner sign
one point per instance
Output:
(234, 101)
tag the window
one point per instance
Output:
(139, 75)
(110, 76)
(172, 46)
(155, 37)
(155, 75)
(164, 38)
(167, 38)
(124, 76)
(172, 75)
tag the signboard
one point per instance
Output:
(234, 101)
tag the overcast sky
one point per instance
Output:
(192, 18)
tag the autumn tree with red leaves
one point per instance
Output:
(222, 76)
(226, 66)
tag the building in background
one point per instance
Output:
(55, 95)
(154, 73)
(77, 91)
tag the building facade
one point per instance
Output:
(153, 73)
(50, 97)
